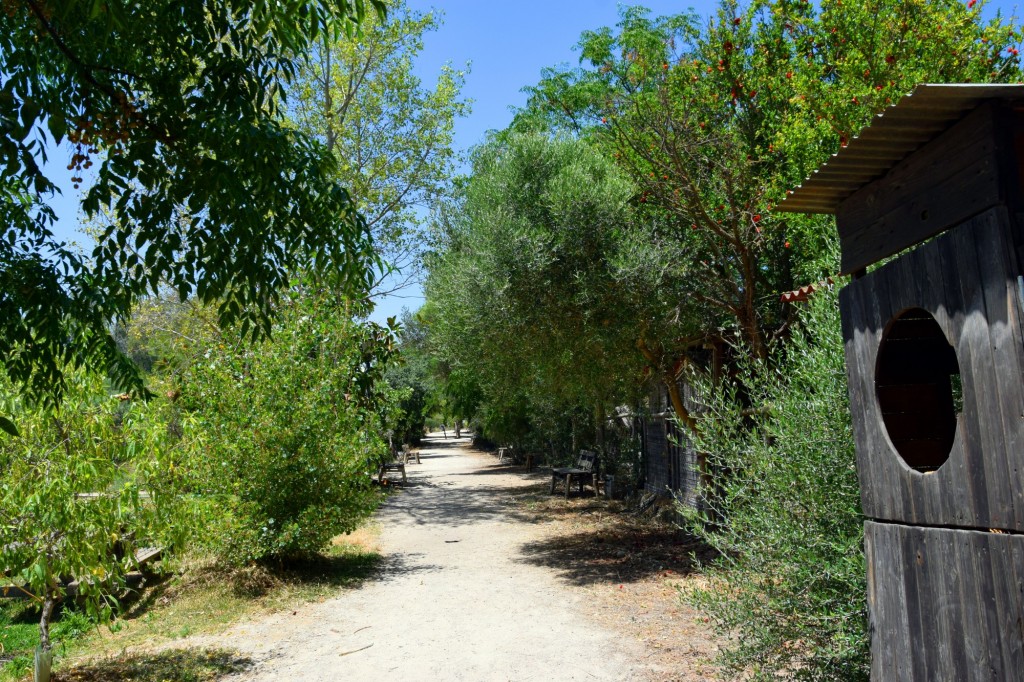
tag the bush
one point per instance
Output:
(84, 484)
(290, 429)
(789, 587)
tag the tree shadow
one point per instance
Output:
(139, 601)
(346, 570)
(600, 541)
(443, 503)
(617, 553)
(171, 665)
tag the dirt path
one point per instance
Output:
(457, 598)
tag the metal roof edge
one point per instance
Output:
(896, 133)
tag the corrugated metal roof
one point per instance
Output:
(804, 293)
(892, 136)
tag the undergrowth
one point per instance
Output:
(199, 597)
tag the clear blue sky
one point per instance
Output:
(507, 45)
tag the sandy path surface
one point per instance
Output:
(455, 600)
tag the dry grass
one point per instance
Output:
(177, 665)
(200, 598)
(632, 569)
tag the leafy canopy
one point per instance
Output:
(390, 131)
(172, 111)
(525, 280)
(290, 429)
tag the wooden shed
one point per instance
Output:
(934, 188)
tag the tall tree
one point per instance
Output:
(178, 106)
(392, 135)
(524, 277)
(714, 121)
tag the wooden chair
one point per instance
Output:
(585, 471)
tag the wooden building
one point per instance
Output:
(670, 464)
(929, 205)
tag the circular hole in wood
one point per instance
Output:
(917, 381)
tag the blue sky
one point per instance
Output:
(507, 45)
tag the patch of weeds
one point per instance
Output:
(172, 665)
(19, 635)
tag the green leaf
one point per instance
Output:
(30, 110)
(57, 125)
(8, 426)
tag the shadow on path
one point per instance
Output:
(594, 541)
(171, 664)
(619, 553)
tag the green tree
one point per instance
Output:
(713, 121)
(179, 107)
(415, 376)
(289, 431)
(790, 588)
(523, 279)
(85, 484)
(391, 135)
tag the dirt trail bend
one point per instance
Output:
(455, 599)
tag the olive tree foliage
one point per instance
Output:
(523, 277)
(174, 113)
(789, 588)
(390, 133)
(715, 119)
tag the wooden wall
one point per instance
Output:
(670, 461)
(966, 278)
(953, 177)
(945, 604)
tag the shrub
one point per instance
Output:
(789, 586)
(291, 430)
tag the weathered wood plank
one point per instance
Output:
(891, 657)
(918, 609)
(946, 604)
(1005, 340)
(956, 279)
(948, 180)
(858, 339)
(976, 369)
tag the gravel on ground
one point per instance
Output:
(486, 577)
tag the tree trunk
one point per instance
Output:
(669, 379)
(44, 654)
(573, 441)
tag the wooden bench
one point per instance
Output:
(585, 471)
(397, 464)
(133, 579)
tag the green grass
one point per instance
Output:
(19, 625)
